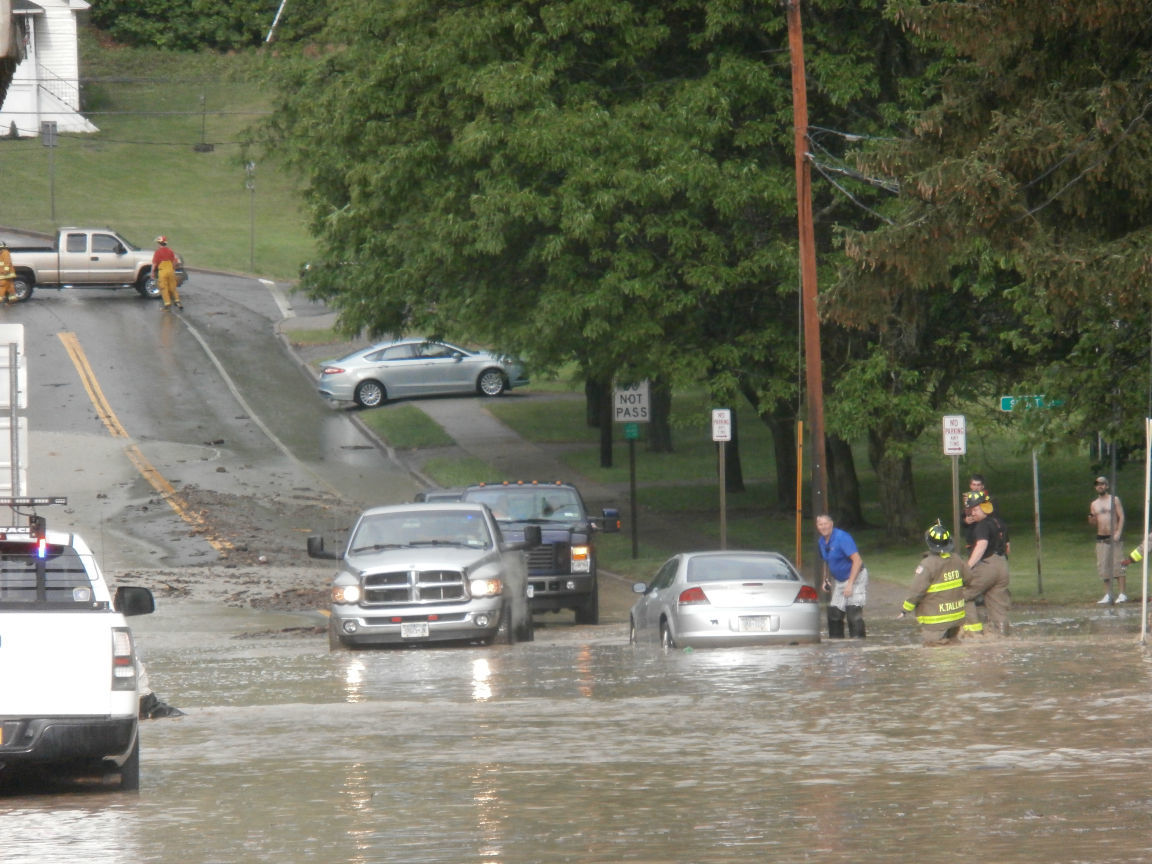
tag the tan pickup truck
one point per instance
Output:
(86, 258)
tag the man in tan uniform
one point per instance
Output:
(7, 275)
(1107, 514)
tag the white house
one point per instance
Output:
(46, 84)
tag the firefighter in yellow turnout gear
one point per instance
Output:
(7, 275)
(937, 592)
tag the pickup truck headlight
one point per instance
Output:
(346, 594)
(485, 587)
(581, 559)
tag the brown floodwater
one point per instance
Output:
(579, 747)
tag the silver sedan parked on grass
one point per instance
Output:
(702, 599)
(416, 367)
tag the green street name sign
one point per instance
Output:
(1011, 403)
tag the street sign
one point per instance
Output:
(630, 404)
(721, 424)
(1011, 403)
(955, 435)
(631, 432)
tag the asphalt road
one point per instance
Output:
(131, 407)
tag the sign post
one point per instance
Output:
(631, 407)
(48, 137)
(955, 445)
(722, 434)
(13, 401)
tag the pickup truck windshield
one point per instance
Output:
(447, 528)
(58, 580)
(530, 503)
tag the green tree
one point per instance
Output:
(1016, 250)
(602, 181)
(197, 25)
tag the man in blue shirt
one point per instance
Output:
(845, 576)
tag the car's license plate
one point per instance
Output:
(413, 629)
(756, 623)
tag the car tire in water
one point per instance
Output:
(335, 643)
(667, 641)
(491, 382)
(370, 394)
(130, 770)
(506, 632)
(631, 630)
(589, 611)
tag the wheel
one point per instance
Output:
(491, 382)
(369, 394)
(130, 770)
(146, 286)
(22, 288)
(589, 611)
(667, 642)
(631, 630)
(506, 633)
(526, 629)
(335, 643)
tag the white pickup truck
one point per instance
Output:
(69, 680)
(86, 258)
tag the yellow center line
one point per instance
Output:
(147, 470)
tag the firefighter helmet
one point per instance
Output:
(938, 538)
(977, 499)
(162, 240)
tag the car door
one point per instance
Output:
(397, 368)
(72, 257)
(108, 260)
(442, 369)
(655, 598)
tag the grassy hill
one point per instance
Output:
(168, 159)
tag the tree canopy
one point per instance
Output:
(611, 182)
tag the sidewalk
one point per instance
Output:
(479, 434)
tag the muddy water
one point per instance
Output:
(579, 748)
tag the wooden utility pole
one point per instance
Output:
(813, 367)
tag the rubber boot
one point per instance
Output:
(835, 623)
(856, 622)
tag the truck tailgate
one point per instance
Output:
(58, 664)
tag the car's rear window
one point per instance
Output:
(739, 569)
(59, 579)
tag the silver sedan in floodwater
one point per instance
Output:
(416, 367)
(700, 599)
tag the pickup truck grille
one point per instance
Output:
(405, 587)
(548, 558)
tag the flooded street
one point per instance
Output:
(578, 747)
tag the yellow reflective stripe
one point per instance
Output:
(978, 627)
(1136, 556)
(940, 619)
(946, 586)
(908, 606)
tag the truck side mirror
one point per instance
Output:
(611, 524)
(132, 600)
(316, 549)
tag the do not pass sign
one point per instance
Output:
(955, 435)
